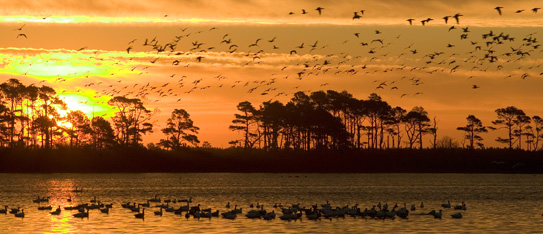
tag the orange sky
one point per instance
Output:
(80, 49)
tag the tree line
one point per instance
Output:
(36, 117)
(336, 120)
(30, 116)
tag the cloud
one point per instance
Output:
(393, 12)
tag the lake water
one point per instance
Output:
(495, 203)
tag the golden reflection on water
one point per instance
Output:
(59, 192)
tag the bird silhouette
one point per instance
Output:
(457, 17)
(410, 21)
(319, 9)
(21, 28)
(499, 9)
(22, 35)
(356, 15)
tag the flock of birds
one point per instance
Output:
(363, 53)
(284, 212)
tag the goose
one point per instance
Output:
(56, 212)
(446, 205)
(460, 207)
(236, 210)
(93, 200)
(413, 207)
(421, 205)
(438, 215)
(456, 216)
(145, 204)
(228, 205)
(45, 208)
(229, 215)
(70, 199)
(313, 216)
(253, 214)
(77, 190)
(155, 199)
(82, 214)
(159, 212)
(37, 200)
(215, 214)
(14, 210)
(20, 215)
(186, 200)
(269, 216)
(105, 210)
(140, 215)
(4, 211)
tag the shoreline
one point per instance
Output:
(194, 160)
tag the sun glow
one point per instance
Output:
(88, 104)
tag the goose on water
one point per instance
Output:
(140, 215)
(56, 212)
(159, 212)
(21, 214)
(4, 211)
(82, 214)
(456, 216)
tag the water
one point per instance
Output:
(496, 203)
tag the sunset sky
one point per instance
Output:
(90, 51)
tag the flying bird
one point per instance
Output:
(446, 18)
(499, 9)
(534, 10)
(319, 9)
(457, 17)
(410, 21)
(356, 15)
(22, 35)
(21, 28)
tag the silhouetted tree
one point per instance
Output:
(13, 90)
(537, 131)
(80, 124)
(50, 103)
(416, 125)
(102, 133)
(506, 119)
(522, 123)
(472, 130)
(179, 129)
(245, 122)
(130, 120)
